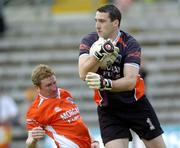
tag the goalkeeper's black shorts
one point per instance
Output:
(115, 123)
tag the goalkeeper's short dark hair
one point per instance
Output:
(114, 12)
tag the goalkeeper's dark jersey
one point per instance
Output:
(129, 53)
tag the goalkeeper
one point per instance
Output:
(109, 63)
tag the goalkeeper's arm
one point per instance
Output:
(87, 63)
(126, 83)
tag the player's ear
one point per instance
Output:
(116, 23)
(37, 88)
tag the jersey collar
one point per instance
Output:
(117, 38)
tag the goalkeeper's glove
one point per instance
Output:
(95, 81)
(110, 58)
(105, 49)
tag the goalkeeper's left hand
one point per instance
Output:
(110, 58)
(95, 81)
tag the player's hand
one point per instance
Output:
(95, 81)
(103, 47)
(107, 47)
(95, 144)
(109, 59)
(37, 133)
(34, 135)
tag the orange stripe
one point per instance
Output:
(97, 97)
(140, 88)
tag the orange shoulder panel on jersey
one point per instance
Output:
(140, 88)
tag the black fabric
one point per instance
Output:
(116, 123)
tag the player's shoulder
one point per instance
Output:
(32, 110)
(34, 104)
(90, 38)
(129, 39)
(126, 36)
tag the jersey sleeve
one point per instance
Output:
(133, 53)
(32, 117)
(87, 42)
(31, 122)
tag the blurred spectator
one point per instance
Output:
(8, 112)
(123, 4)
(2, 20)
(29, 94)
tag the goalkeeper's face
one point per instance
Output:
(48, 87)
(104, 26)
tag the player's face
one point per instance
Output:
(104, 26)
(48, 87)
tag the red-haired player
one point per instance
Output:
(55, 113)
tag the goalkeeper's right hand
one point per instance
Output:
(105, 49)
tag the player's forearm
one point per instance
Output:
(87, 64)
(128, 82)
(31, 143)
(123, 84)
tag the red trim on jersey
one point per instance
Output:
(135, 54)
(83, 46)
(120, 40)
